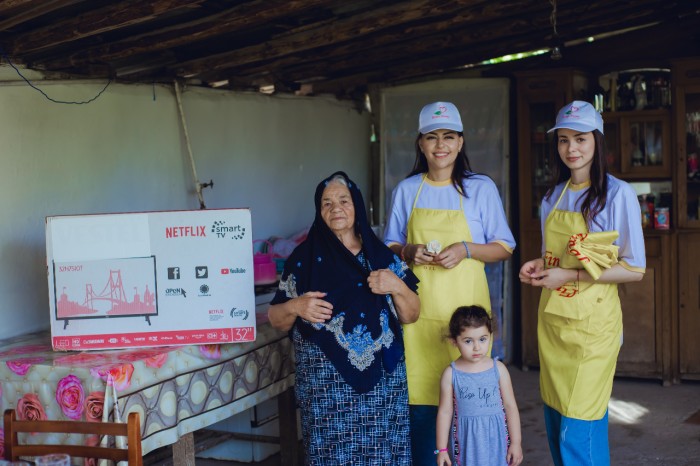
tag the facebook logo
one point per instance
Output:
(201, 271)
(173, 273)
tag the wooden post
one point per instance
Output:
(183, 451)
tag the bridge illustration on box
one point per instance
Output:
(75, 280)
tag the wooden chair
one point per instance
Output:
(131, 430)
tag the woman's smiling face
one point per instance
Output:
(440, 148)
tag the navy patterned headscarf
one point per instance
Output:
(364, 333)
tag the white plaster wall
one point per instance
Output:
(125, 152)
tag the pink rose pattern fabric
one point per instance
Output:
(21, 366)
(29, 408)
(156, 361)
(26, 349)
(81, 360)
(44, 384)
(91, 441)
(70, 396)
(119, 376)
(210, 351)
(94, 405)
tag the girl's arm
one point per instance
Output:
(515, 450)
(407, 303)
(444, 418)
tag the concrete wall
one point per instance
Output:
(126, 152)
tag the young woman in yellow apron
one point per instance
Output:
(446, 222)
(593, 240)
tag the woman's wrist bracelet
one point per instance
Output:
(403, 257)
(439, 450)
(469, 253)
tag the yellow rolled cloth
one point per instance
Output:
(594, 251)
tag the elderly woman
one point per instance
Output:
(344, 295)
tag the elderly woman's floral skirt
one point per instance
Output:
(342, 427)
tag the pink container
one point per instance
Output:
(264, 268)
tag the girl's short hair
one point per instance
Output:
(473, 316)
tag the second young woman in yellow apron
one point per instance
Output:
(579, 327)
(446, 222)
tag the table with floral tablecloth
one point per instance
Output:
(176, 390)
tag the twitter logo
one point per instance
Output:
(201, 271)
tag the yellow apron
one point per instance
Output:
(441, 291)
(578, 331)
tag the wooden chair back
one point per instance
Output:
(131, 430)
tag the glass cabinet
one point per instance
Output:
(688, 144)
(638, 143)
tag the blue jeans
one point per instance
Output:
(574, 442)
(423, 419)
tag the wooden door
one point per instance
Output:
(646, 315)
(689, 305)
(530, 248)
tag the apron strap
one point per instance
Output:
(566, 186)
(415, 199)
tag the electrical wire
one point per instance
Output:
(4, 55)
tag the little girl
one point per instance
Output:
(475, 391)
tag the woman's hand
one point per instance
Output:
(309, 306)
(418, 254)
(406, 301)
(553, 279)
(312, 308)
(384, 281)
(529, 269)
(451, 255)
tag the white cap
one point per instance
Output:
(439, 115)
(579, 116)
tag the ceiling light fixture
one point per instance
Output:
(557, 45)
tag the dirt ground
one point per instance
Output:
(649, 424)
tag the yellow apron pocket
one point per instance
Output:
(573, 303)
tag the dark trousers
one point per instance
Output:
(423, 418)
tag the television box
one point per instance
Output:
(150, 279)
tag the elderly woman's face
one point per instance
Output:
(337, 209)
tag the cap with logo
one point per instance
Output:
(579, 116)
(439, 115)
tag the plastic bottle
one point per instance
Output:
(645, 210)
(649, 211)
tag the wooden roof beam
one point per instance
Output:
(119, 15)
(340, 31)
(244, 15)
